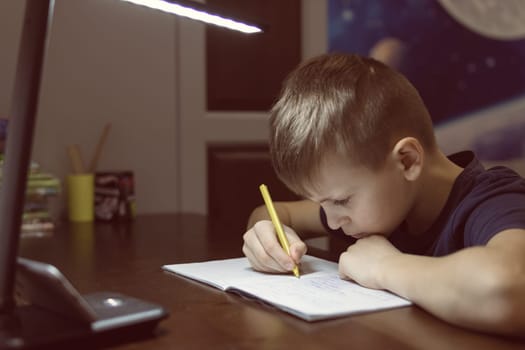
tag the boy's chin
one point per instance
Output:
(359, 235)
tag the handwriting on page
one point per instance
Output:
(318, 293)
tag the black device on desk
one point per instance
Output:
(53, 313)
(45, 286)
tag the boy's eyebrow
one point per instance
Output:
(331, 199)
(327, 199)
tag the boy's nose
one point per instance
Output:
(335, 221)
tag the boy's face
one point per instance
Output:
(360, 201)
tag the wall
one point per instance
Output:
(143, 71)
(10, 25)
(107, 61)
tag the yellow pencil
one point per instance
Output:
(277, 223)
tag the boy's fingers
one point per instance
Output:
(260, 259)
(256, 264)
(297, 250)
(263, 249)
(273, 249)
(297, 247)
(278, 254)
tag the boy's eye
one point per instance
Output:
(341, 202)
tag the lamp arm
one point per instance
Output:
(20, 140)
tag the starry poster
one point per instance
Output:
(466, 58)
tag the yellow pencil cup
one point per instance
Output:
(81, 197)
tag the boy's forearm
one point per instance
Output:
(302, 216)
(257, 214)
(472, 288)
(261, 213)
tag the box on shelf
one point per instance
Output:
(114, 195)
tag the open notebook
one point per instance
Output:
(318, 294)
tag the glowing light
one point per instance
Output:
(197, 14)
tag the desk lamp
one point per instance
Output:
(47, 322)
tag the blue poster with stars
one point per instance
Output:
(466, 58)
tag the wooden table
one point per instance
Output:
(127, 257)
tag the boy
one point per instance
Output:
(354, 138)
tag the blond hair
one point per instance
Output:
(346, 104)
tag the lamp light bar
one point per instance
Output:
(195, 12)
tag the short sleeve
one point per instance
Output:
(502, 212)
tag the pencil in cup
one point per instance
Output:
(277, 223)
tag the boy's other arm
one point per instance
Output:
(481, 288)
(302, 216)
(261, 245)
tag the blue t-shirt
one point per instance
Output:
(481, 204)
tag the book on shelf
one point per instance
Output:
(41, 187)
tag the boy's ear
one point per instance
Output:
(408, 155)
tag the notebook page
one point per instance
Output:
(218, 273)
(319, 295)
(225, 273)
